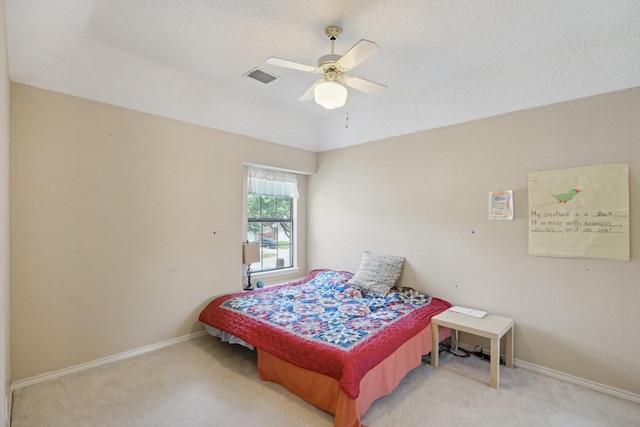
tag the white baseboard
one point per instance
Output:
(602, 388)
(15, 385)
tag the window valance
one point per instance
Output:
(270, 182)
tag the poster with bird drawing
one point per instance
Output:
(580, 212)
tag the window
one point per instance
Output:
(270, 214)
(270, 222)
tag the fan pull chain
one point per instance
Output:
(346, 116)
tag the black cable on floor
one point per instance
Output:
(446, 346)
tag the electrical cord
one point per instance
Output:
(480, 353)
(483, 356)
(446, 346)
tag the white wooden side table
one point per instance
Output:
(490, 326)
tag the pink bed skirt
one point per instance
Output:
(324, 392)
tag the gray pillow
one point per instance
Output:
(377, 273)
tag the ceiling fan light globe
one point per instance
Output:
(330, 95)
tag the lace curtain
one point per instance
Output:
(269, 182)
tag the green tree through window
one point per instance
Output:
(270, 222)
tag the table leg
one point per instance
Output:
(495, 362)
(509, 349)
(435, 346)
(454, 339)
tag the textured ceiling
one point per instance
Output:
(445, 62)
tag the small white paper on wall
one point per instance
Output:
(501, 204)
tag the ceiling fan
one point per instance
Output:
(331, 90)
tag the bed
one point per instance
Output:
(336, 345)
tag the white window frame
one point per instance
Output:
(271, 275)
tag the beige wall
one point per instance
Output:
(113, 214)
(424, 196)
(5, 375)
(123, 226)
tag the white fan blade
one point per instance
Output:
(290, 64)
(309, 95)
(362, 50)
(365, 86)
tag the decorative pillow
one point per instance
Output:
(377, 273)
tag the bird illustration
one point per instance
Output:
(565, 197)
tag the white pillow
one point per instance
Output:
(377, 273)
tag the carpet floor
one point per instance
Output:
(206, 382)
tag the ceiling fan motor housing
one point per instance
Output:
(328, 60)
(330, 70)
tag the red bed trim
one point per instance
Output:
(324, 392)
(347, 367)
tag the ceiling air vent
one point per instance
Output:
(261, 76)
